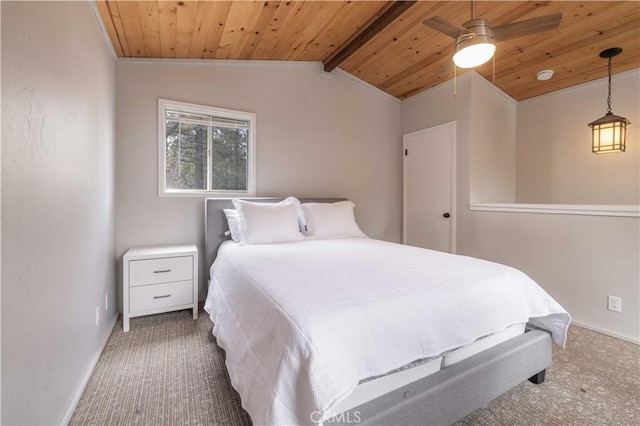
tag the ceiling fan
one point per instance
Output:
(476, 39)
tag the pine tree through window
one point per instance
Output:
(205, 150)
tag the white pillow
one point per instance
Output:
(265, 223)
(330, 220)
(234, 224)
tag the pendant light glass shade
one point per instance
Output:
(474, 55)
(476, 48)
(609, 133)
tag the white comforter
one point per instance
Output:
(302, 323)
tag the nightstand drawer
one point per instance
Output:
(159, 296)
(153, 271)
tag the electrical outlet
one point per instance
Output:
(106, 301)
(97, 314)
(615, 303)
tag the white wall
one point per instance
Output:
(493, 145)
(579, 260)
(317, 135)
(486, 129)
(555, 164)
(58, 239)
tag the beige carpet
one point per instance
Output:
(169, 370)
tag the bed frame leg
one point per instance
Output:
(537, 378)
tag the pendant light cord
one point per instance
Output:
(455, 81)
(493, 79)
(609, 95)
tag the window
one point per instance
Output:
(205, 150)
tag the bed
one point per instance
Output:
(333, 330)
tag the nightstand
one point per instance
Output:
(159, 279)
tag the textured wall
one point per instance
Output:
(493, 146)
(317, 135)
(58, 238)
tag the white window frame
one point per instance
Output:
(220, 112)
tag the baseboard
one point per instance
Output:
(76, 397)
(607, 333)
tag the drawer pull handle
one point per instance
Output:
(162, 297)
(164, 271)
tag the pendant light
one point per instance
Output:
(609, 133)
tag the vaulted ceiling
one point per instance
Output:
(382, 42)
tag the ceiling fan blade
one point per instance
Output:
(530, 26)
(446, 27)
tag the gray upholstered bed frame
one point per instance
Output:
(443, 397)
(215, 223)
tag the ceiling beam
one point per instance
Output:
(386, 18)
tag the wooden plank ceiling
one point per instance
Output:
(390, 49)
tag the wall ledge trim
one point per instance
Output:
(569, 209)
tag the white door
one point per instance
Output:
(429, 188)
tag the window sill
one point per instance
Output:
(205, 194)
(570, 209)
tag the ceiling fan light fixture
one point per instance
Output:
(476, 39)
(475, 47)
(473, 55)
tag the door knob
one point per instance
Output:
(446, 215)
